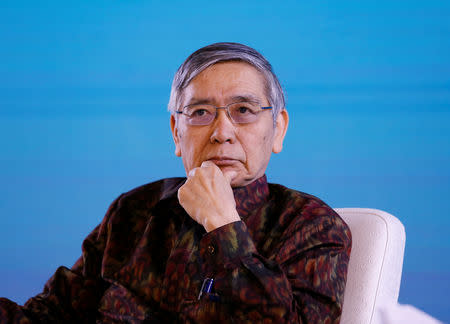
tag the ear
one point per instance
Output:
(280, 131)
(175, 135)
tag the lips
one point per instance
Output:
(222, 160)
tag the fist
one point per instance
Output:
(208, 198)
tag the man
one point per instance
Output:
(222, 245)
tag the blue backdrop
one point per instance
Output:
(83, 95)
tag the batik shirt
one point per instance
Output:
(149, 262)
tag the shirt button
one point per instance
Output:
(211, 249)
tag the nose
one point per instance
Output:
(224, 131)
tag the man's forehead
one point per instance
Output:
(225, 82)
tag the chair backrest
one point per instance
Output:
(375, 266)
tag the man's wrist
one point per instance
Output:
(213, 223)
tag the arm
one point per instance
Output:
(70, 295)
(301, 279)
(303, 283)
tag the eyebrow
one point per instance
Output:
(199, 101)
(246, 97)
(238, 98)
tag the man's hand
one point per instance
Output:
(208, 198)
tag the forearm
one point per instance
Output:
(303, 287)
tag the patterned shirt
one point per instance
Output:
(149, 262)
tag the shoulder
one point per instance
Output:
(308, 214)
(299, 201)
(132, 209)
(153, 192)
(136, 204)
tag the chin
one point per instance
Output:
(241, 182)
(237, 181)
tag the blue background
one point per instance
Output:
(83, 95)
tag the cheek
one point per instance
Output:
(258, 150)
(267, 140)
(192, 145)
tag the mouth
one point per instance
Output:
(222, 160)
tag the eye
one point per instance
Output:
(199, 112)
(243, 110)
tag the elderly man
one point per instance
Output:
(222, 245)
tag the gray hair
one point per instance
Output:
(223, 52)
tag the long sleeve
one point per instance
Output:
(284, 262)
(70, 295)
(301, 281)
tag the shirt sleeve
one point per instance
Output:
(303, 281)
(70, 295)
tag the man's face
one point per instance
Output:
(242, 148)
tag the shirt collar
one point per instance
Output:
(251, 197)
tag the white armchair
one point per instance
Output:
(375, 266)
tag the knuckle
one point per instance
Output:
(201, 172)
(182, 191)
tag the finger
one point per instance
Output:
(192, 172)
(180, 193)
(208, 163)
(229, 175)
